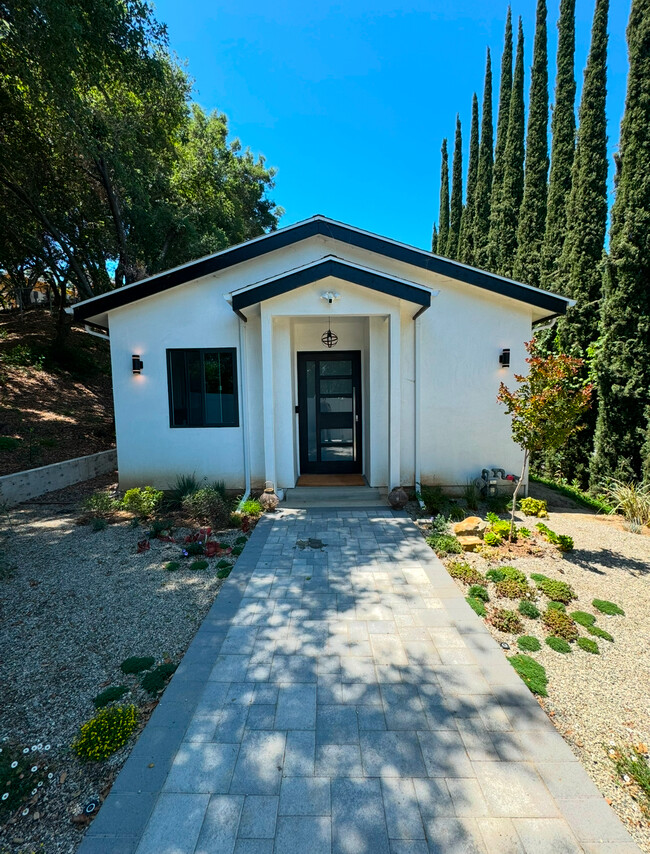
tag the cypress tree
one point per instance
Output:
(466, 240)
(586, 222)
(563, 129)
(456, 207)
(484, 176)
(434, 239)
(513, 168)
(443, 216)
(623, 359)
(505, 89)
(532, 216)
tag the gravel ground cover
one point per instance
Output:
(74, 604)
(597, 702)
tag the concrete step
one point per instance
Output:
(333, 496)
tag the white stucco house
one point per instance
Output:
(223, 366)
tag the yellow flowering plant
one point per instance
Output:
(105, 733)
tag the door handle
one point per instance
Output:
(355, 421)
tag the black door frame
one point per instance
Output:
(328, 466)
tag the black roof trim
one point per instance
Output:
(310, 228)
(339, 269)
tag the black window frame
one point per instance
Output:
(202, 351)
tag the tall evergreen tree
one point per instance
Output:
(505, 89)
(532, 216)
(563, 129)
(623, 359)
(434, 239)
(586, 222)
(484, 177)
(456, 207)
(505, 237)
(466, 240)
(443, 215)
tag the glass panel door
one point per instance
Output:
(329, 410)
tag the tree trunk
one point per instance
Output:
(514, 496)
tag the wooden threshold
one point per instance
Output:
(331, 480)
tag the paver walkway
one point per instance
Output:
(348, 701)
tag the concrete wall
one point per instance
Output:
(463, 428)
(24, 485)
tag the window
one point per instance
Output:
(203, 388)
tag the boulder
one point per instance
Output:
(473, 526)
(397, 498)
(469, 543)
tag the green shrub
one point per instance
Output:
(207, 507)
(456, 513)
(529, 643)
(533, 507)
(564, 543)
(632, 766)
(115, 692)
(588, 646)
(464, 572)
(18, 782)
(433, 499)
(193, 549)
(502, 529)
(439, 524)
(597, 632)
(105, 733)
(505, 620)
(528, 609)
(237, 550)
(495, 575)
(99, 525)
(144, 502)
(241, 541)
(136, 664)
(630, 499)
(492, 539)
(471, 495)
(557, 606)
(492, 518)
(514, 574)
(512, 588)
(532, 673)
(477, 591)
(197, 565)
(160, 527)
(608, 608)
(538, 578)
(558, 644)
(100, 505)
(24, 356)
(173, 565)
(476, 605)
(220, 487)
(8, 443)
(224, 564)
(498, 503)
(444, 544)
(526, 533)
(560, 624)
(251, 507)
(155, 681)
(184, 485)
(224, 572)
(558, 591)
(582, 618)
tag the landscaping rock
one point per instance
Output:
(470, 527)
(397, 498)
(469, 543)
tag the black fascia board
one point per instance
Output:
(336, 231)
(338, 269)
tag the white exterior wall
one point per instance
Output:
(463, 428)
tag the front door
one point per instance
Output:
(329, 412)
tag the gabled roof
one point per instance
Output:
(330, 266)
(320, 225)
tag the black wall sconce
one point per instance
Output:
(504, 358)
(138, 364)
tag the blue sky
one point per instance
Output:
(350, 101)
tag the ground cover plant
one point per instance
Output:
(465, 573)
(505, 620)
(444, 544)
(558, 591)
(533, 507)
(155, 681)
(105, 733)
(477, 605)
(632, 767)
(137, 664)
(528, 609)
(588, 645)
(609, 608)
(528, 643)
(110, 695)
(559, 624)
(558, 644)
(573, 492)
(532, 673)
(477, 591)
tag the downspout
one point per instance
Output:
(417, 408)
(244, 412)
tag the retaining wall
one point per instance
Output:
(24, 485)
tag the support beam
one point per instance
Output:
(268, 408)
